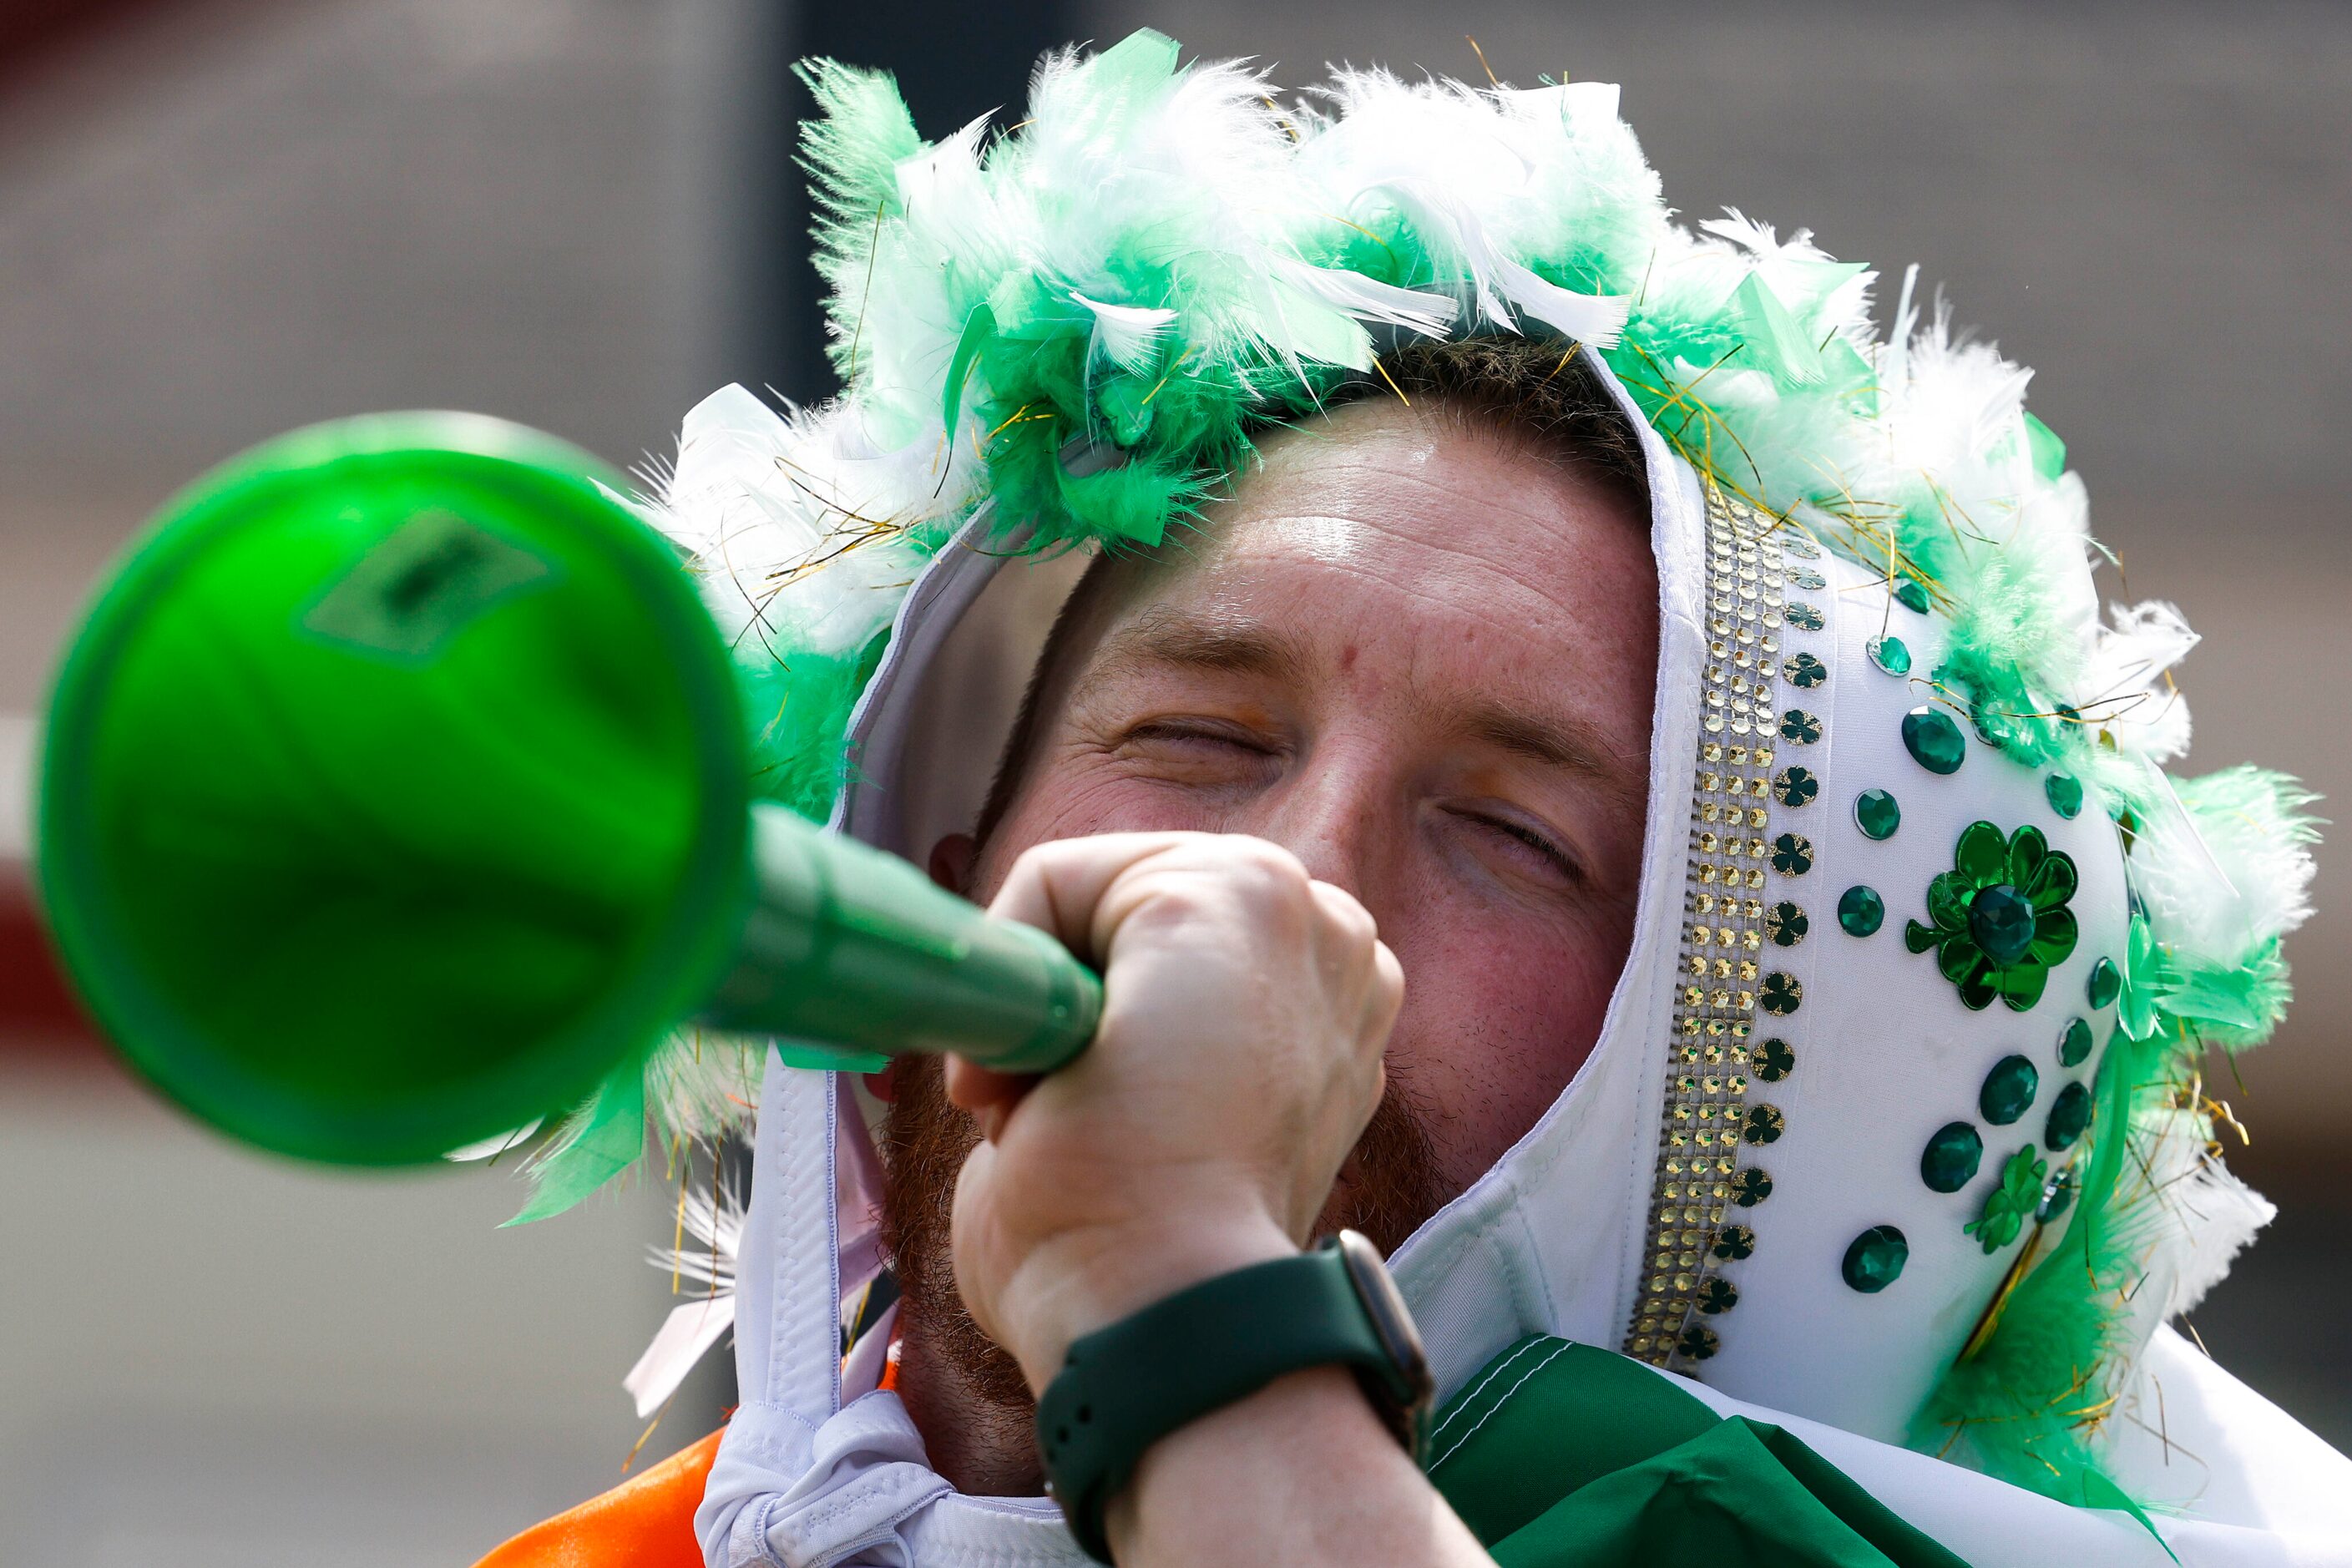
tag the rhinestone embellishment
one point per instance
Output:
(1707, 1121)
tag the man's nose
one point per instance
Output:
(1332, 814)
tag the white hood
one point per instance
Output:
(1569, 1233)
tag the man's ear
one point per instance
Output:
(952, 861)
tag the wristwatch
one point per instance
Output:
(1123, 1388)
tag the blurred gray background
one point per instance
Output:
(222, 217)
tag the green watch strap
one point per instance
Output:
(1124, 1387)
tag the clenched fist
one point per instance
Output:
(1246, 1009)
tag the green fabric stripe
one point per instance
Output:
(1564, 1456)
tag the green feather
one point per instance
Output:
(604, 1138)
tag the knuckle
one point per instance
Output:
(1270, 863)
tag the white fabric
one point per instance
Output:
(1553, 1238)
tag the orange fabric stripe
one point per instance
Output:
(644, 1522)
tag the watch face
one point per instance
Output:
(1390, 1321)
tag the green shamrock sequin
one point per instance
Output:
(2007, 1205)
(1795, 787)
(1792, 854)
(1999, 916)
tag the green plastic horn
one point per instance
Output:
(395, 790)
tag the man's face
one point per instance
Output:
(1421, 658)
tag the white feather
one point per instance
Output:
(1369, 300)
(1128, 335)
(693, 1327)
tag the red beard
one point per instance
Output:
(1388, 1185)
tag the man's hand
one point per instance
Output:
(1246, 1009)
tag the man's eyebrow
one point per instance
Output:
(1162, 635)
(1567, 744)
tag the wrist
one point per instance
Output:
(1086, 1279)
(1125, 1388)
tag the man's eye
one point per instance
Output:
(1195, 735)
(1527, 841)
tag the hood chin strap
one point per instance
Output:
(802, 1480)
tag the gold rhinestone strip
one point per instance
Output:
(1704, 1188)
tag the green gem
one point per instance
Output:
(1993, 727)
(1912, 595)
(2009, 1090)
(1950, 1159)
(1934, 741)
(1889, 653)
(2001, 920)
(2075, 1045)
(1876, 1258)
(2106, 983)
(2069, 1115)
(2066, 792)
(1875, 813)
(2055, 1197)
(1861, 911)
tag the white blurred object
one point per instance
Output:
(19, 744)
(715, 1221)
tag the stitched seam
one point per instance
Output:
(1558, 1350)
(1471, 1398)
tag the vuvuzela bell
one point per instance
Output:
(395, 790)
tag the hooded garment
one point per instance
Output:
(1893, 1134)
(1776, 1061)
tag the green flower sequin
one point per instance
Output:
(2007, 1204)
(1999, 916)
